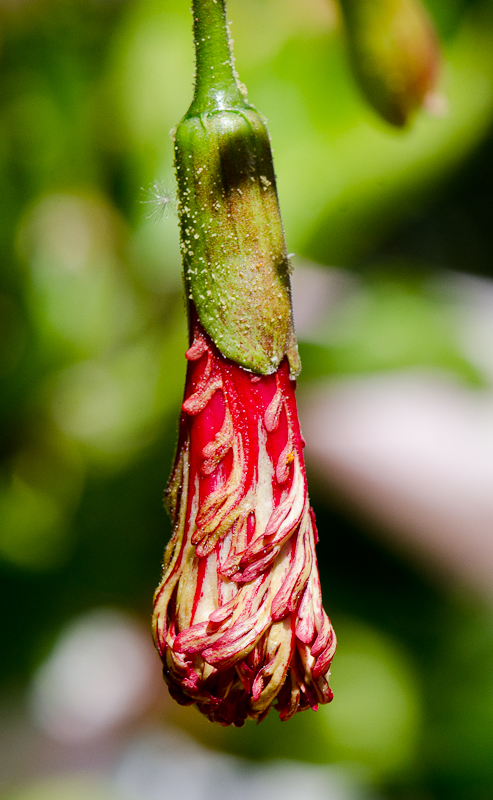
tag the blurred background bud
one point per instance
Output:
(395, 55)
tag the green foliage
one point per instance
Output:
(373, 725)
(394, 320)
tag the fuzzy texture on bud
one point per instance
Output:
(235, 263)
(238, 616)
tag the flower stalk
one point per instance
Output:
(238, 615)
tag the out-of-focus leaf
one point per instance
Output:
(373, 723)
(391, 322)
(376, 720)
(80, 299)
(344, 180)
(113, 407)
(33, 527)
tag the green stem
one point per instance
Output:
(216, 87)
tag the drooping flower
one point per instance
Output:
(238, 618)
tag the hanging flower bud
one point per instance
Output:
(395, 54)
(234, 254)
(239, 621)
(238, 616)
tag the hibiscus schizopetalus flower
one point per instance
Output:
(238, 616)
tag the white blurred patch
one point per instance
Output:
(99, 675)
(473, 301)
(412, 448)
(160, 766)
(317, 294)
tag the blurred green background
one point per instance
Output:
(93, 336)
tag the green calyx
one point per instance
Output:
(236, 269)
